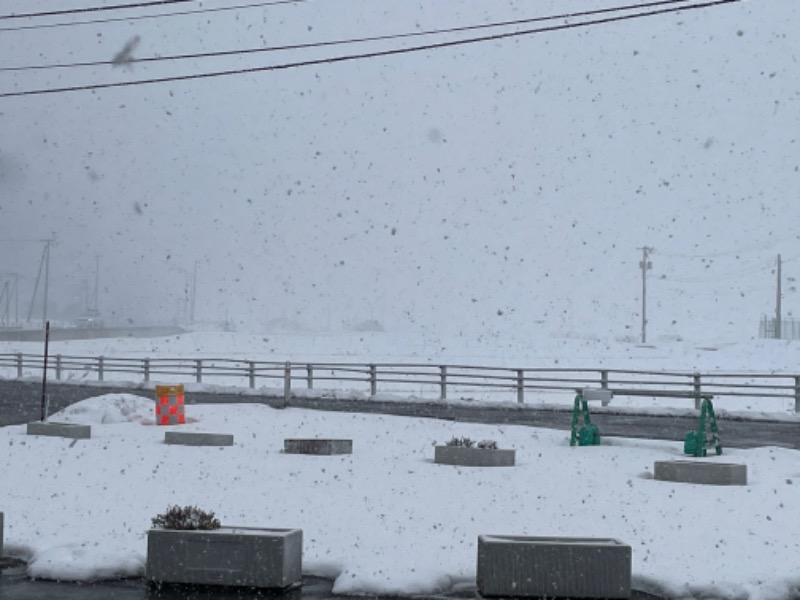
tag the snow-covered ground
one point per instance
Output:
(386, 518)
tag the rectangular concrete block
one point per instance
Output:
(473, 457)
(193, 438)
(708, 473)
(230, 556)
(537, 567)
(65, 430)
(317, 446)
(1, 534)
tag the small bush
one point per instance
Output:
(487, 444)
(186, 518)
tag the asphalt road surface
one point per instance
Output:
(20, 402)
(14, 585)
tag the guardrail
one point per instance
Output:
(442, 381)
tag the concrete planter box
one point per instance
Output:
(229, 556)
(553, 567)
(65, 430)
(708, 473)
(318, 447)
(189, 438)
(474, 457)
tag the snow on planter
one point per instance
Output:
(709, 473)
(324, 447)
(65, 430)
(474, 457)
(194, 438)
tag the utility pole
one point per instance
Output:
(44, 263)
(96, 306)
(194, 294)
(46, 282)
(5, 318)
(645, 265)
(15, 277)
(16, 298)
(778, 302)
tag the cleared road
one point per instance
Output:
(20, 403)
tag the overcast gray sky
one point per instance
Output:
(484, 189)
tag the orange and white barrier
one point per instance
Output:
(169, 405)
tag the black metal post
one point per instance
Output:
(44, 371)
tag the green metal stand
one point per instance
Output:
(588, 434)
(698, 442)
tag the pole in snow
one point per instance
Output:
(645, 265)
(44, 371)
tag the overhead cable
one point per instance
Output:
(378, 38)
(367, 55)
(152, 16)
(77, 11)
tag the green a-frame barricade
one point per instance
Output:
(588, 434)
(706, 436)
(696, 442)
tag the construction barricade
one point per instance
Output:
(169, 405)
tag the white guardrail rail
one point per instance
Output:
(423, 380)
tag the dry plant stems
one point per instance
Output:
(186, 518)
(465, 442)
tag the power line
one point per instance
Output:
(77, 11)
(376, 54)
(736, 251)
(352, 40)
(157, 16)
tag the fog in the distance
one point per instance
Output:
(491, 189)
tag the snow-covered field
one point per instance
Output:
(493, 201)
(386, 518)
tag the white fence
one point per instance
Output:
(422, 380)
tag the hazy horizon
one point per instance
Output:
(491, 189)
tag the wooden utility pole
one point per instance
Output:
(43, 264)
(44, 407)
(645, 265)
(778, 302)
(194, 294)
(46, 281)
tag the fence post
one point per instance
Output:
(373, 380)
(797, 394)
(443, 382)
(520, 386)
(100, 364)
(604, 379)
(146, 367)
(58, 366)
(310, 376)
(697, 390)
(251, 373)
(19, 365)
(198, 370)
(287, 383)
